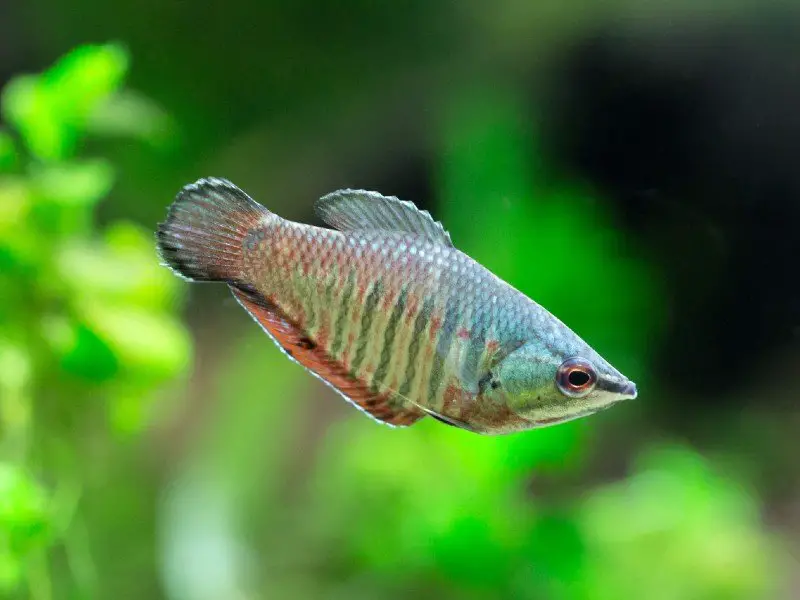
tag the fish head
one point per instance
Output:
(547, 385)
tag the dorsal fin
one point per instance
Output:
(353, 210)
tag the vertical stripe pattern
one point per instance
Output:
(443, 343)
(421, 321)
(342, 317)
(391, 311)
(387, 348)
(367, 316)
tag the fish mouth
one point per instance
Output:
(629, 391)
(626, 389)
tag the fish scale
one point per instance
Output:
(381, 260)
(383, 308)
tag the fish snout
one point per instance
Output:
(629, 390)
(626, 389)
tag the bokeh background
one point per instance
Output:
(630, 165)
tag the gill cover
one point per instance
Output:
(526, 377)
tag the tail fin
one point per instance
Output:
(201, 240)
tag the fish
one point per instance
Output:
(382, 307)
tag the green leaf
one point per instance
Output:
(20, 253)
(26, 106)
(125, 270)
(86, 355)
(15, 202)
(76, 184)
(86, 76)
(8, 152)
(66, 194)
(16, 367)
(152, 347)
(10, 571)
(21, 258)
(51, 110)
(148, 283)
(129, 114)
(129, 409)
(24, 512)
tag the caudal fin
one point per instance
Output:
(201, 240)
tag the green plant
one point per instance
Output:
(87, 316)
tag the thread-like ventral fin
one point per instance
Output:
(201, 240)
(359, 210)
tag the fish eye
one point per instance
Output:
(576, 377)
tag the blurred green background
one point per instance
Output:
(631, 166)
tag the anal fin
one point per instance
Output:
(384, 407)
